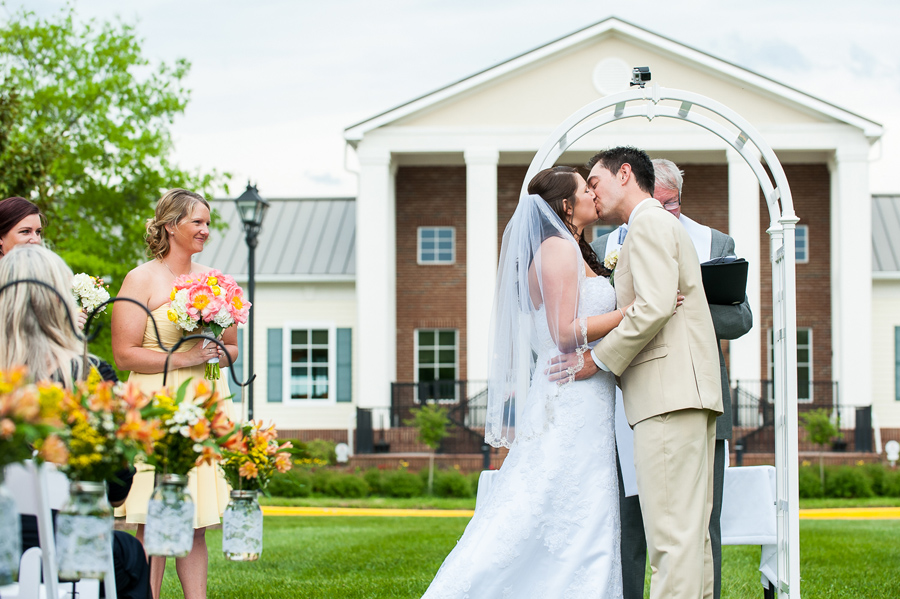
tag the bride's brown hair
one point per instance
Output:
(174, 206)
(557, 185)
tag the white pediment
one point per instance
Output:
(541, 88)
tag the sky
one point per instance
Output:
(275, 82)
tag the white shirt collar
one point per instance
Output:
(631, 216)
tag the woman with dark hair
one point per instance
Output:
(548, 525)
(20, 222)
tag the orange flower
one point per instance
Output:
(236, 443)
(200, 430)
(27, 405)
(133, 397)
(7, 428)
(248, 470)
(221, 424)
(209, 455)
(54, 450)
(102, 398)
(283, 462)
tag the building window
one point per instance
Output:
(804, 364)
(309, 353)
(897, 363)
(437, 245)
(601, 230)
(437, 359)
(801, 243)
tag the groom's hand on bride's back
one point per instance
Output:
(557, 369)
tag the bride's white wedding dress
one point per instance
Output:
(549, 526)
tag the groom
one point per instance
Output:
(668, 369)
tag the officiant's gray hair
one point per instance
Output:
(668, 175)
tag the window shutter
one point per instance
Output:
(274, 358)
(344, 362)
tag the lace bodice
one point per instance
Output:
(596, 296)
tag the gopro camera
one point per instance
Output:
(640, 76)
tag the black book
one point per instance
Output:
(725, 280)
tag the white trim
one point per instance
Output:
(805, 229)
(287, 328)
(744, 77)
(886, 275)
(810, 380)
(436, 261)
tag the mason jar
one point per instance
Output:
(10, 536)
(242, 527)
(84, 532)
(169, 530)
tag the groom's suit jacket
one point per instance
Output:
(730, 322)
(664, 363)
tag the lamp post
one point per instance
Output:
(251, 208)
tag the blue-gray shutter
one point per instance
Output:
(239, 363)
(274, 358)
(344, 383)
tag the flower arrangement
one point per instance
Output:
(192, 432)
(89, 292)
(209, 299)
(253, 455)
(105, 427)
(29, 417)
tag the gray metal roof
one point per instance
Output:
(886, 233)
(301, 239)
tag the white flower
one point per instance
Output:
(178, 307)
(223, 318)
(88, 292)
(611, 260)
(198, 448)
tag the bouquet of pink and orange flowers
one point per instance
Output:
(210, 300)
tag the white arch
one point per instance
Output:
(737, 132)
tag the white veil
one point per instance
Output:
(538, 280)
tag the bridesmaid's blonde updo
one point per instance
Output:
(174, 206)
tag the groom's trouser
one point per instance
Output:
(673, 457)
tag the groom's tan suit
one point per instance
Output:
(668, 368)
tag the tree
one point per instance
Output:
(85, 134)
(820, 430)
(431, 421)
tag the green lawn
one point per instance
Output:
(361, 557)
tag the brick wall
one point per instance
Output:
(811, 191)
(429, 296)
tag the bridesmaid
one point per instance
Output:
(20, 222)
(178, 230)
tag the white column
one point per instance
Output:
(851, 274)
(481, 255)
(376, 279)
(744, 227)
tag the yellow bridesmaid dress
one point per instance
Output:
(206, 484)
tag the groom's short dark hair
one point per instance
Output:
(641, 165)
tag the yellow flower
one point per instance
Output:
(173, 316)
(216, 290)
(200, 301)
(172, 295)
(237, 303)
(212, 282)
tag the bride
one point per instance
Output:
(549, 524)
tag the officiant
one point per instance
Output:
(730, 322)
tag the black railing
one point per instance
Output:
(466, 403)
(753, 413)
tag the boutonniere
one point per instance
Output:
(610, 262)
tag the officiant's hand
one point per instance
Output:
(559, 367)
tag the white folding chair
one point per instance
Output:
(37, 491)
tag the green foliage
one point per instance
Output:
(321, 480)
(848, 481)
(452, 483)
(401, 483)
(320, 449)
(819, 428)
(85, 123)
(809, 482)
(431, 421)
(293, 483)
(348, 485)
(373, 478)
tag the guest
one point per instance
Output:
(36, 331)
(20, 222)
(178, 230)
